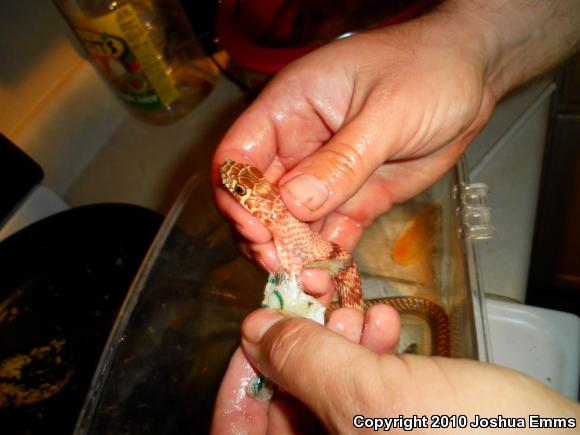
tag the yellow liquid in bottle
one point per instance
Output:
(147, 52)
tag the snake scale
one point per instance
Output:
(298, 247)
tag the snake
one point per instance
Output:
(299, 247)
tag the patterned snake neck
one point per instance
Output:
(297, 246)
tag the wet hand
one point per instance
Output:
(357, 126)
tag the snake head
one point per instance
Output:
(247, 185)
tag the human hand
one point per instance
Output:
(337, 379)
(236, 412)
(359, 125)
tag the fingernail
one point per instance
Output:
(307, 190)
(258, 323)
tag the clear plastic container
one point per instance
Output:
(180, 323)
(423, 251)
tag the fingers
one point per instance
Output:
(343, 230)
(245, 223)
(347, 322)
(234, 410)
(392, 183)
(318, 284)
(250, 140)
(276, 132)
(306, 359)
(379, 330)
(352, 173)
(262, 253)
(382, 329)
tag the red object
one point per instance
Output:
(268, 60)
(133, 66)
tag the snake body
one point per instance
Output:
(298, 247)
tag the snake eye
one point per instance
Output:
(240, 190)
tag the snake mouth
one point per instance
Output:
(226, 166)
(226, 176)
(224, 170)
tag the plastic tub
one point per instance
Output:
(180, 322)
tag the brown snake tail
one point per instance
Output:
(429, 311)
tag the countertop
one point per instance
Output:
(147, 165)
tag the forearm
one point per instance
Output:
(522, 39)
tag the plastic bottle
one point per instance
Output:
(147, 51)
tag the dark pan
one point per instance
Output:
(62, 282)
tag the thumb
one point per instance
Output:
(327, 178)
(312, 363)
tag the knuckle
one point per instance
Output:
(284, 346)
(345, 161)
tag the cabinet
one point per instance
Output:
(554, 279)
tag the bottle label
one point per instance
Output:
(120, 46)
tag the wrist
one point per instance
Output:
(469, 29)
(519, 40)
